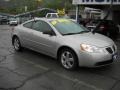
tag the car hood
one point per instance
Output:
(90, 38)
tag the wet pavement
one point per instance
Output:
(29, 70)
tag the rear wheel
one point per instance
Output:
(68, 59)
(16, 44)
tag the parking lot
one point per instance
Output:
(29, 70)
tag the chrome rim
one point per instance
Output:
(67, 59)
(16, 44)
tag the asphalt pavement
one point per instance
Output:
(29, 70)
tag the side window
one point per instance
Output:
(49, 16)
(111, 23)
(54, 16)
(45, 27)
(41, 26)
(36, 26)
(28, 25)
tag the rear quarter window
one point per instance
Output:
(28, 25)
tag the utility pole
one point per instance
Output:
(77, 13)
(109, 10)
(26, 8)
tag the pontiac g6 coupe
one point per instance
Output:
(70, 43)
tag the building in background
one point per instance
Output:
(104, 5)
(92, 13)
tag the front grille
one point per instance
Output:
(109, 49)
(104, 62)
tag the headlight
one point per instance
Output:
(90, 48)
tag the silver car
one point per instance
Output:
(13, 21)
(70, 43)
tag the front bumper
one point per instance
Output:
(97, 59)
(13, 23)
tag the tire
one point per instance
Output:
(68, 59)
(16, 44)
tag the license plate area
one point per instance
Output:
(115, 56)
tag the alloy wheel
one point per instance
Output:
(67, 59)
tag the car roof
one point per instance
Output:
(45, 19)
(52, 13)
(49, 19)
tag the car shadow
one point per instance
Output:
(55, 66)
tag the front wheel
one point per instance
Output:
(16, 44)
(68, 59)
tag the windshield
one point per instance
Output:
(68, 27)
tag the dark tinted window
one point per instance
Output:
(41, 26)
(36, 25)
(54, 16)
(111, 23)
(74, 16)
(49, 15)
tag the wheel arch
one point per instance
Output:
(64, 47)
(13, 38)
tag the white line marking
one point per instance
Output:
(36, 65)
(42, 67)
(76, 80)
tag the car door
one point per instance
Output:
(44, 37)
(26, 34)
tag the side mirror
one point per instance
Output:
(49, 32)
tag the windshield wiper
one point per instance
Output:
(69, 33)
(83, 32)
(76, 33)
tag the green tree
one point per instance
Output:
(58, 4)
(18, 6)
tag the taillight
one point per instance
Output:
(102, 27)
